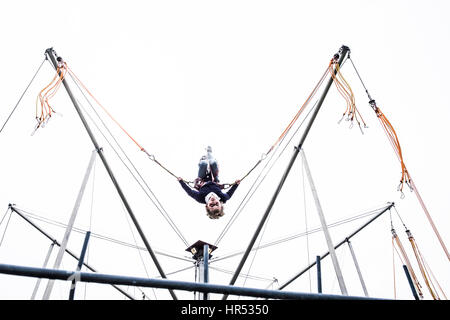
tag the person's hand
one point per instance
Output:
(237, 182)
(180, 179)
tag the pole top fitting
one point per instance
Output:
(344, 48)
(197, 249)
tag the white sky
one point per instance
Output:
(181, 75)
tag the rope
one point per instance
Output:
(256, 251)
(306, 233)
(151, 157)
(276, 145)
(20, 99)
(306, 222)
(393, 269)
(248, 196)
(93, 234)
(156, 202)
(227, 185)
(4, 215)
(405, 176)
(139, 252)
(6, 227)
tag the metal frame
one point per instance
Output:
(54, 58)
(168, 284)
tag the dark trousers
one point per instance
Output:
(204, 173)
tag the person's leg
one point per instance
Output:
(212, 164)
(202, 168)
(214, 169)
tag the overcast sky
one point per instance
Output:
(181, 75)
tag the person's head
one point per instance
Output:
(214, 208)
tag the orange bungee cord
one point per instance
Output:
(43, 109)
(346, 92)
(405, 176)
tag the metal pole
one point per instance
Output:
(363, 284)
(319, 275)
(342, 53)
(411, 284)
(168, 284)
(62, 248)
(205, 268)
(38, 282)
(80, 263)
(337, 246)
(326, 233)
(58, 244)
(51, 53)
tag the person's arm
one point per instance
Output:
(233, 189)
(192, 193)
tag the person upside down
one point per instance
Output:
(208, 190)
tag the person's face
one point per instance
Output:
(214, 204)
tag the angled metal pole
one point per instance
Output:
(62, 248)
(38, 282)
(341, 55)
(284, 285)
(361, 279)
(13, 209)
(80, 264)
(326, 233)
(52, 55)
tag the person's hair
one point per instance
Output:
(215, 213)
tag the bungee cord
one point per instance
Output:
(346, 92)
(276, 145)
(147, 190)
(256, 184)
(430, 281)
(226, 185)
(43, 109)
(56, 83)
(405, 175)
(405, 260)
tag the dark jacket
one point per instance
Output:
(208, 187)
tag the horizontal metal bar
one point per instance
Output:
(167, 284)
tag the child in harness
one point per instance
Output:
(207, 189)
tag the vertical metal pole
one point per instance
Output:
(363, 284)
(63, 246)
(319, 275)
(38, 282)
(411, 284)
(205, 268)
(342, 53)
(80, 263)
(51, 53)
(326, 233)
